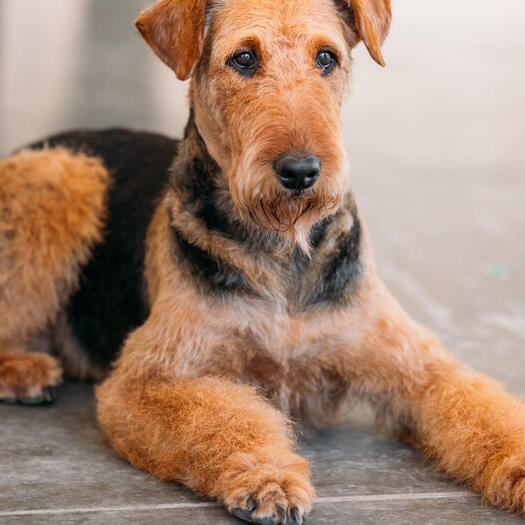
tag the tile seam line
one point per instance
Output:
(211, 504)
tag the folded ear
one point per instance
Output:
(372, 21)
(174, 29)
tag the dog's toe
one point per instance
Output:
(296, 517)
(243, 514)
(292, 516)
(248, 516)
(47, 396)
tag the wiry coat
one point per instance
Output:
(232, 304)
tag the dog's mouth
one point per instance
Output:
(296, 194)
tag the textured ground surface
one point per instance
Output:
(437, 148)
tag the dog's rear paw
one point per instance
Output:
(28, 378)
(268, 493)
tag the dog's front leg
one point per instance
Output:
(463, 420)
(217, 437)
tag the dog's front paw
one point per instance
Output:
(504, 485)
(28, 378)
(267, 492)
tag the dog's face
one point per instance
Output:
(268, 82)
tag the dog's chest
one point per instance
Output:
(299, 381)
(291, 360)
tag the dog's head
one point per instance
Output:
(268, 80)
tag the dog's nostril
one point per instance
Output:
(298, 174)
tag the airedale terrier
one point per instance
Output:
(237, 262)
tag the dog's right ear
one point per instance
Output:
(174, 29)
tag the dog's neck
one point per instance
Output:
(204, 217)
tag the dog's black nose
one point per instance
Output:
(298, 174)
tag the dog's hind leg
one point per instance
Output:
(51, 211)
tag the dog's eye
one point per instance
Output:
(326, 60)
(245, 62)
(244, 59)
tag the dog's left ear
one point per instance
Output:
(174, 29)
(372, 22)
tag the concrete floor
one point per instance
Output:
(436, 142)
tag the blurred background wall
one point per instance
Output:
(436, 142)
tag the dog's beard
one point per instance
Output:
(294, 216)
(269, 206)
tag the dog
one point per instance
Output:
(223, 286)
